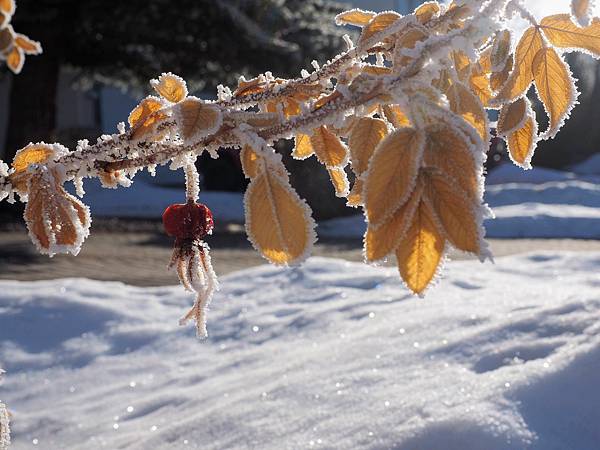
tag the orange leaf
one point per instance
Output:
(420, 251)
(28, 46)
(278, 222)
(392, 173)
(512, 116)
(196, 119)
(500, 50)
(408, 40)
(57, 221)
(329, 148)
(378, 24)
(382, 240)
(395, 116)
(8, 7)
(15, 60)
(339, 179)
(562, 32)
(522, 76)
(356, 17)
(39, 153)
(555, 87)
(427, 11)
(170, 87)
(303, 148)
(366, 134)
(522, 142)
(466, 104)
(145, 117)
(498, 79)
(355, 197)
(454, 211)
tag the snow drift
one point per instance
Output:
(329, 355)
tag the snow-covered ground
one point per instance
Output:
(329, 355)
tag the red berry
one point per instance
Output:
(188, 221)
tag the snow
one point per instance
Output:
(329, 355)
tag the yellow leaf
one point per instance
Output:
(480, 85)
(378, 24)
(395, 116)
(522, 76)
(522, 142)
(355, 197)
(339, 179)
(555, 87)
(427, 11)
(562, 32)
(500, 50)
(582, 11)
(366, 134)
(462, 65)
(39, 153)
(512, 116)
(485, 61)
(7, 7)
(170, 87)
(382, 240)
(57, 221)
(250, 87)
(278, 222)
(303, 148)
(420, 252)
(250, 162)
(448, 150)
(392, 173)
(356, 17)
(145, 117)
(28, 46)
(329, 148)
(15, 60)
(455, 212)
(466, 104)
(197, 119)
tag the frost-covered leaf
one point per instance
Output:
(455, 211)
(500, 50)
(522, 141)
(39, 153)
(449, 150)
(462, 65)
(250, 162)
(303, 148)
(378, 24)
(555, 87)
(563, 33)
(356, 17)
(339, 179)
(582, 11)
(145, 117)
(355, 197)
(366, 134)
(330, 150)
(479, 83)
(467, 105)
(382, 240)
(395, 116)
(427, 11)
(15, 60)
(28, 46)
(420, 252)
(7, 7)
(512, 116)
(7, 37)
(278, 222)
(170, 87)
(522, 75)
(392, 173)
(196, 119)
(57, 221)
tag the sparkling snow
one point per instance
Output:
(329, 355)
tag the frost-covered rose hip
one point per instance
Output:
(188, 221)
